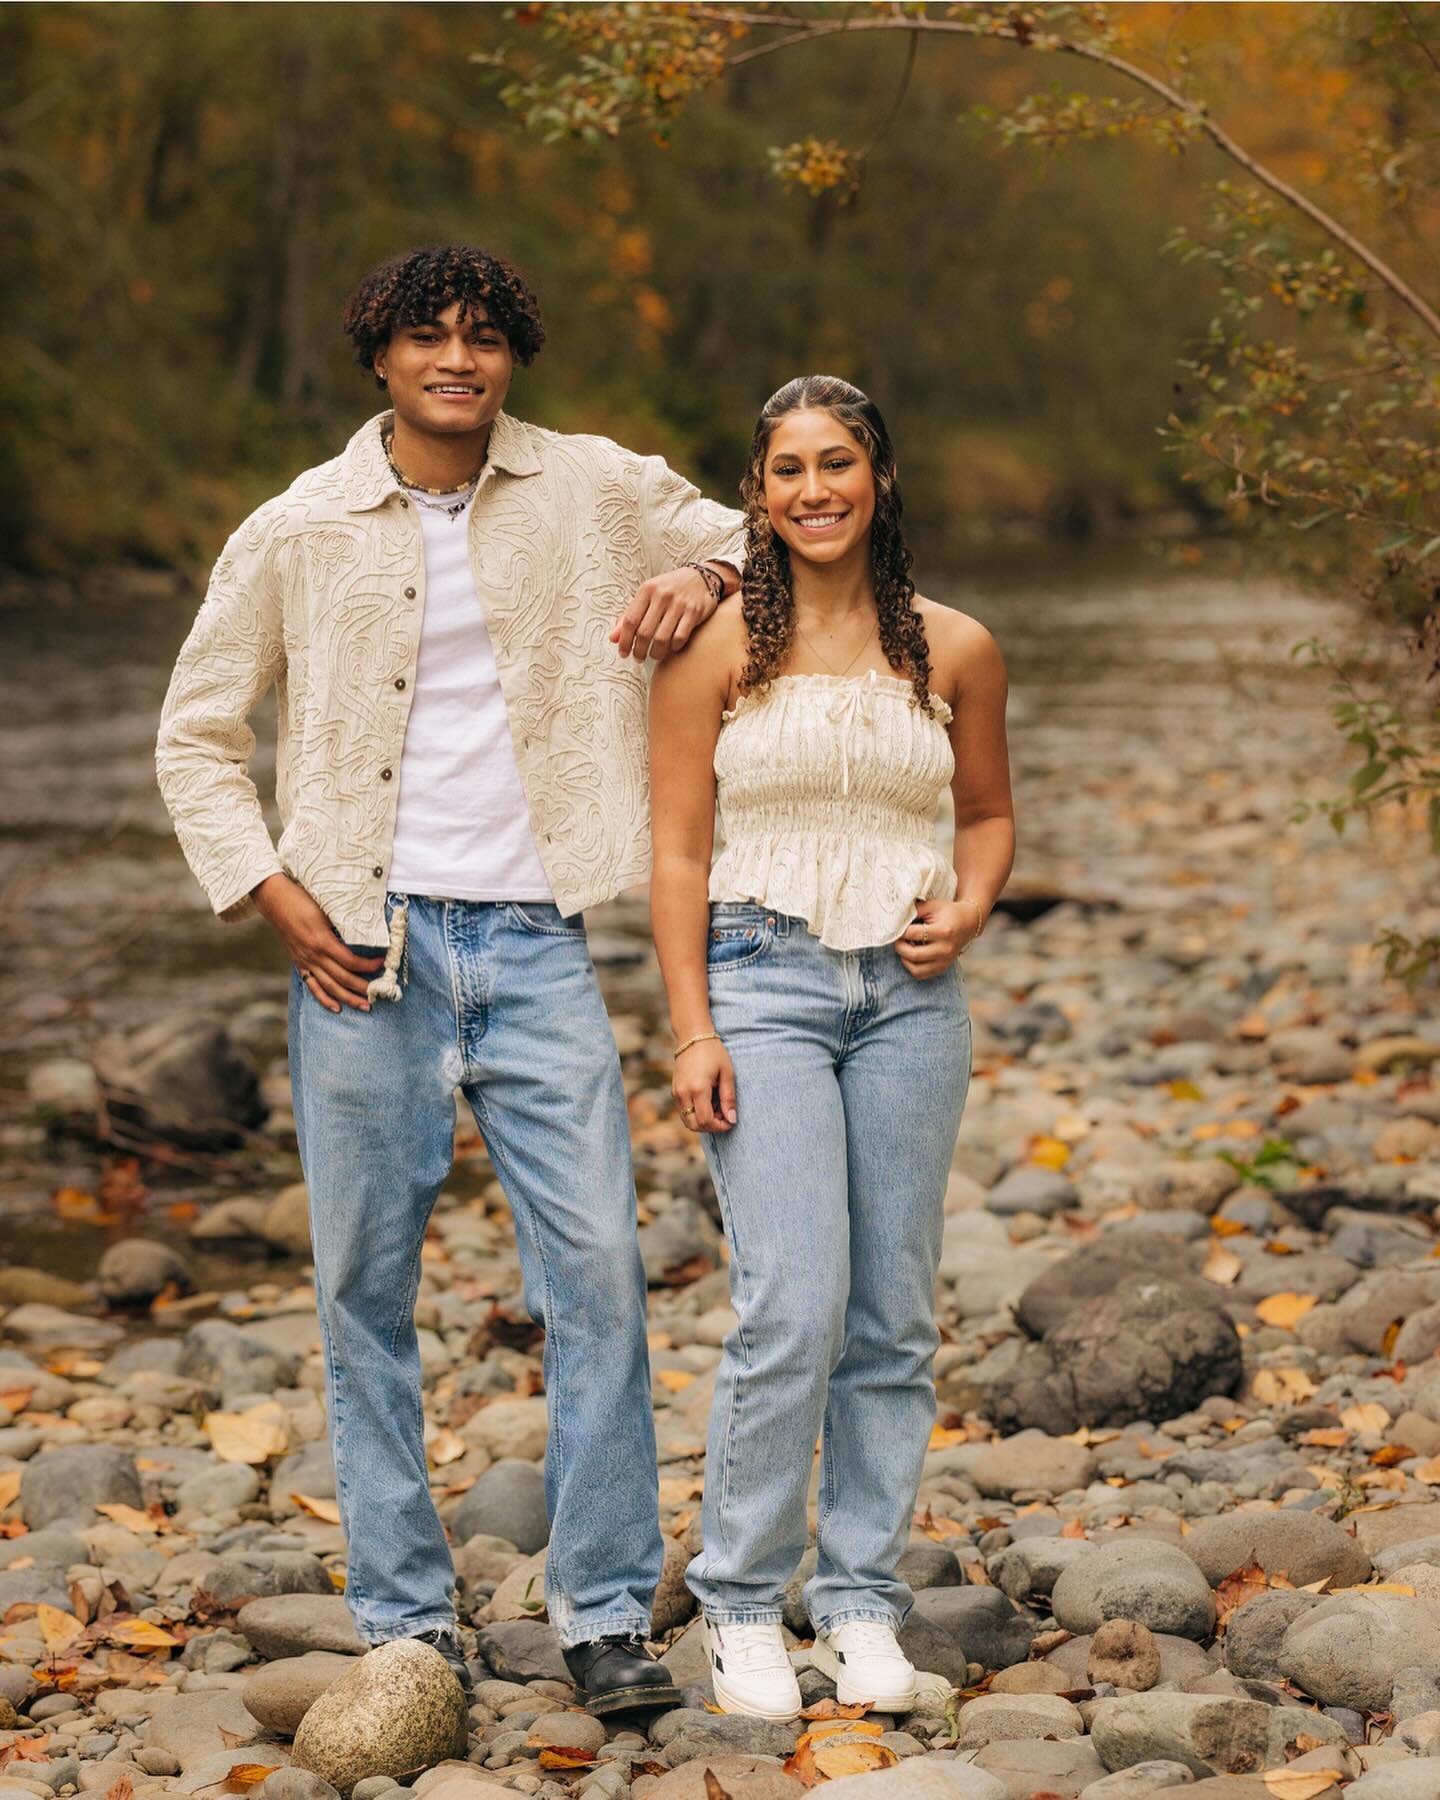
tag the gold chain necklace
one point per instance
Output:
(864, 645)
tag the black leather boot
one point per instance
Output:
(446, 1640)
(618, 1674)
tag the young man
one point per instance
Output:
(461, 773)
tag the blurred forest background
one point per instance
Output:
(190, 190)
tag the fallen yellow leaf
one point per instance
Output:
(130, 1517)
(246, 1775)
(1429, 1470)
(446, 1447)
(9, 1487)
(1049, 1153)
(318, 1508)
(1300, 1784)
(1325, 1437)
(944, 1437)
(1281, 1387)
(1371, 1416)
(253, 1436)
(674, 1380)
(140, 1634)
(1222, 1266)
(59, 1629)
(1284, 1310)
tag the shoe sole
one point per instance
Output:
(632, 1699)
(728, 1703)
(827, 1663)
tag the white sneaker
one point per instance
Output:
(863, 1660)
(750, 1670)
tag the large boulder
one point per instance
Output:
(1302, 1546)
(1150, 1350)
(181, 1078)
(1096, 1269)
(1142, 1579)
(1347, 1650)
(291, 1624)
(399, 1709)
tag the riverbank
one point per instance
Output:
(1190, 1301)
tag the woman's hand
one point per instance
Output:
(940, 931)
(333, 974)
(704, 1087)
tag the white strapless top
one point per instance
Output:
(828, 787)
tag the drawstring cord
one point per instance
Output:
(847, 704)
(387, 984)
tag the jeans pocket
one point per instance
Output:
(738, 937)
(543, 919)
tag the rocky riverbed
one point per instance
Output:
(1180, 1519)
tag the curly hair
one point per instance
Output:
(767, 597)
(418, 285)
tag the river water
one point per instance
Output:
(1134, 686)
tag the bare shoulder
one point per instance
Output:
(963, 652)
(713, 658)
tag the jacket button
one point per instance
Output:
(409, 593)
(404, 505)
(377, 872)
(400, 683)
(385, 774)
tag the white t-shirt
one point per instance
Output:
(462, 827)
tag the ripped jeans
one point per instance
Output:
(501, 1001)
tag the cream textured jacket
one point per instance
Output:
(321, 593)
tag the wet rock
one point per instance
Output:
(508, 1501)
(291, 1624)
(190, 1726)
(1124, 1653)
(280, 1693)
(1031, 1462)
(949, 1628)
(1300, 1545)
(1150, 1350)
(1153, 1583)
(993, 1717)
(71, 1482)
(398, 1709)
(181, 1078)
(1347, 1650)
(1095, 1270)
(136, 1269)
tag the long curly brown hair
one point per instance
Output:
(767, 596)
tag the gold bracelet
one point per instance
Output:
(700, 1037)
(967, 901)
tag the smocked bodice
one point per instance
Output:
(828, 787)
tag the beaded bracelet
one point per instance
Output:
(713, 579)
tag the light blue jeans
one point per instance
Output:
(500, 1001)
(850, 1082)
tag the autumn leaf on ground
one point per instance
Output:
(832, 1709)
(1284, 1310)
(253, 1436)
(713, 1789)
(1300, 1784)
(1281, 1387)
(675, 1380)
(446, 1447)
(1371, 1416)
(1242, 1585)
(9, 1487)
(246, 1775)
(132, 1518)
(1221, 1266)
(122, 1788)
(1072, 1528)
(564, 1756)
(1429, 1471)
(140, 1634)
(1325, 1437)
(59, 1629)
(318, 1507)
(1389, 1454)
(943, 1437)
(1049, 1153)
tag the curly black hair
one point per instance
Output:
(767, 598)
(418, 285)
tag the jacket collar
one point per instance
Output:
(365, 469)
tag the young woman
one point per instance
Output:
(823, 1042)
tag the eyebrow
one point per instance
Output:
(834, 450)
(436, 325)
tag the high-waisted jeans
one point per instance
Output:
(850, 1081)
(500, 1001)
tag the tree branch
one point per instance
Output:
(1171, 96)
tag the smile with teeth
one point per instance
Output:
(452, 388)
(820, 521)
